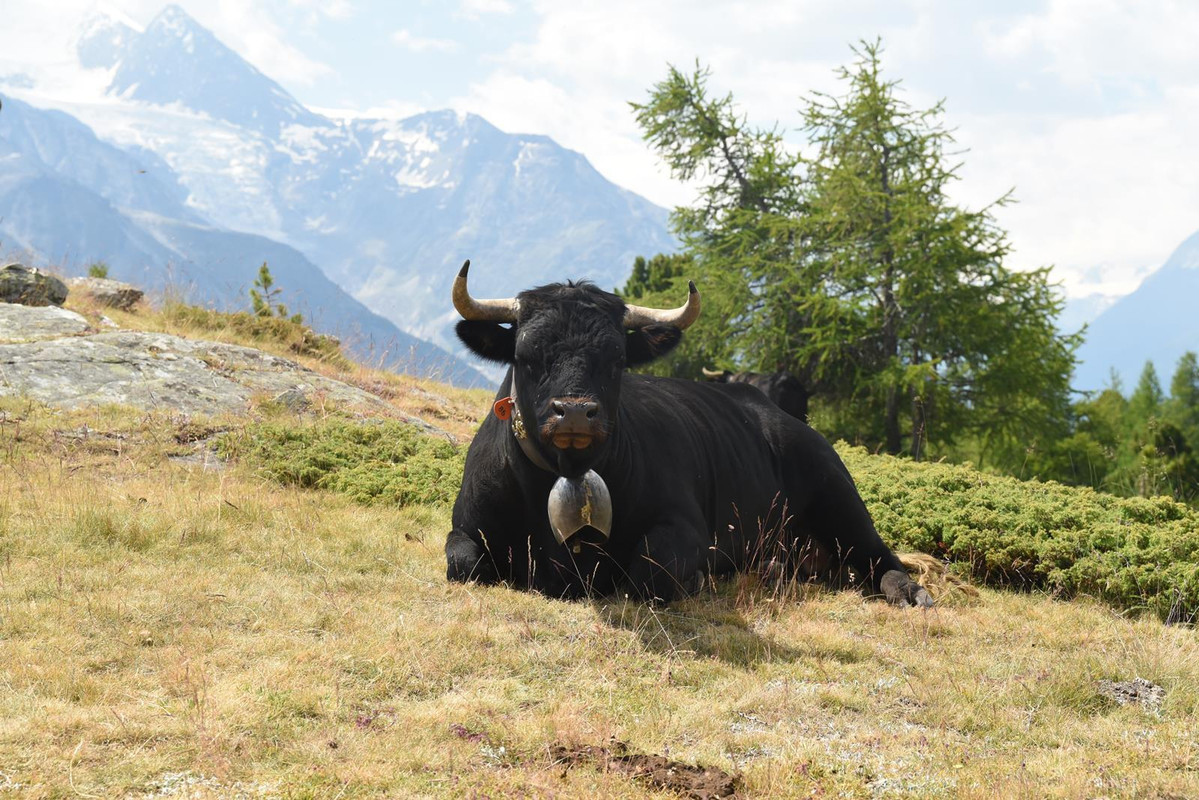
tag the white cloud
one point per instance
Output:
(1099, 196)
(333, 9)
(1101, 191)
(417, 44)
(1084, 41)
(473, 9)
(574, 78)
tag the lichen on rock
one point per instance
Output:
(21, 323)
(30, 286)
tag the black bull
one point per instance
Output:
(704, 478)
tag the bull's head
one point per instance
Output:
(568, 345)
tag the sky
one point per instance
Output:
(1087, 109)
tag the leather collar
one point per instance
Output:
(521, 433)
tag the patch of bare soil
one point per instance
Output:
(189, 432)
(1138, 690)
(698, 782)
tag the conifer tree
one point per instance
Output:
(855, 271)
(264, 297)
(1145, 404)
(1183, 407)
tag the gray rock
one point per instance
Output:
(43, 358)
(30, 287)
(204, 458)
(20, 323)
(107, 292)
(294, 400)
(160, 371)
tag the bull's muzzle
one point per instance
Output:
(573, 423)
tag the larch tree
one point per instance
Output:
(854, 269)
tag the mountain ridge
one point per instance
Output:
(159, 66)
(69, 199)
(1156, 322)
(388, 208)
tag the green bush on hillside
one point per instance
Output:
(1132, 552)
(292, 333)
(381, 462)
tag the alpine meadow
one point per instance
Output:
(224, 562)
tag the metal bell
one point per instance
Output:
(577, 503)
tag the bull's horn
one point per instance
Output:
(482, 310)
(681, 317)
(712, 373)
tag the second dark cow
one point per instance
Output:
(784, 389)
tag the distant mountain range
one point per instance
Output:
(1158, 322)
(193, 145)
(68, 199)
(389, 209)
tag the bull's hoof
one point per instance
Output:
(899, 589)
(457, 572)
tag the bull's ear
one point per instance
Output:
(489, 340)
(652, 341)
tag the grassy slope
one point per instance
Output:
(165, 629)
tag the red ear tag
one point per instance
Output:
(503, 408)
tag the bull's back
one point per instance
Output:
(754, 456)
(714, 444)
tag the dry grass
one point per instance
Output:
(171, 631)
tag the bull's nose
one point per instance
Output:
(574, 413)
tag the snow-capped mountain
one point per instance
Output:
(103, 40)
(176, 60)
(1158, 322)
(389, 209)
(68, 199)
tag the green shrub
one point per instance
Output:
(98, 269)
(379, 462)
(289, 332)
(1132, 552)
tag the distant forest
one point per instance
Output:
(850, 267)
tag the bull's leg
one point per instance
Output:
(468, 560)
(666, 564)
(484, 544)
(837, 518)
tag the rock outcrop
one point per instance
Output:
(34, 323)
(43, 357)
(31, 287)
(107, 292)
